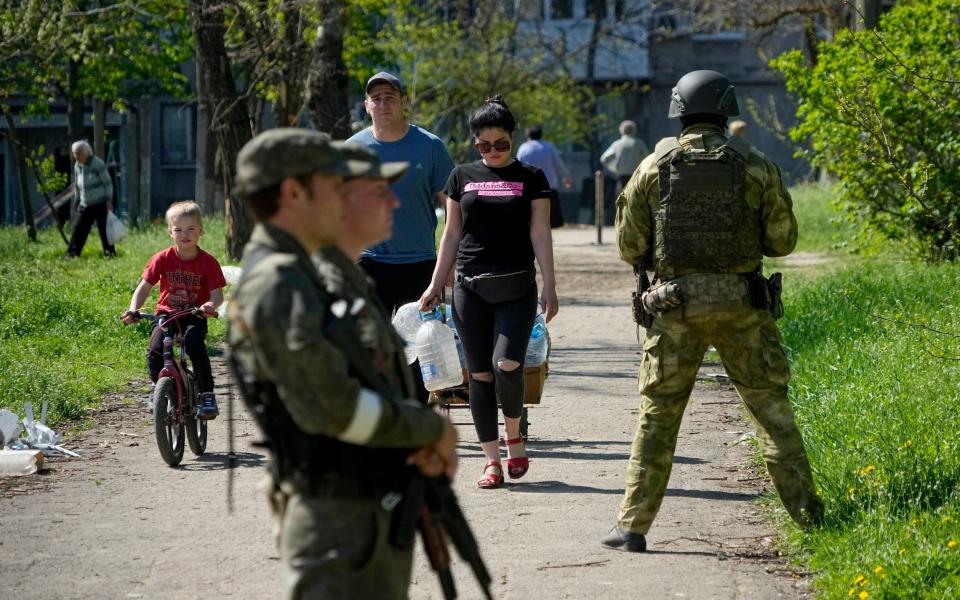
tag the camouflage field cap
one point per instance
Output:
(364, 162)
(276, 154)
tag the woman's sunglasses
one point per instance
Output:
(499, 146)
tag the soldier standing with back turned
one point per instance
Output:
(701, 212)
(315, 365)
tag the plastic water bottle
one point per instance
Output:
(437, 351)
(407, 321)
(20, 462)
(456, 338)
(537, 346)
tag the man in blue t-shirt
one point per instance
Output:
(542, 154)
(402, 266)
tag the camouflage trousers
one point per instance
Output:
(749, 345)
(338, 548)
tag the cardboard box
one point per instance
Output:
(533, 379)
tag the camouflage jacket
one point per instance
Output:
(279, 317)
(765, 192)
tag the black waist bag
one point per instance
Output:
(499, 287)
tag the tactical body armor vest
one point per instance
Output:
(703, 223)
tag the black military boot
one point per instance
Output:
(627, 540)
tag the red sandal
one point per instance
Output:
(517, 467)
(492, 480)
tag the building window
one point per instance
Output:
(527, 9)
(561, 9)
(178, 145)
(597, 9)
(619, 9)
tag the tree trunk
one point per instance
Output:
(229, 120)
(74, 104)
(99, 128)
(21, 159)
(327, 84)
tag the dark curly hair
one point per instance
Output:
(493, 113)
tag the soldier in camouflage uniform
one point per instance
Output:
(305, 338)
(701, 212)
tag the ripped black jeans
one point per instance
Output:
(491, 333)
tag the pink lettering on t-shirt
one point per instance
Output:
(495, 188)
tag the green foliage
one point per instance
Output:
(84, 48)
(60, 336)
(50, 181)
(875, 351)
(881, 110)
(451, 67)
(821, 227)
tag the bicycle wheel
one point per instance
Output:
(196, 431)
(168, 427)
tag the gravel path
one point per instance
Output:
(120, 524)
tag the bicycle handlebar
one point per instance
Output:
(136, 315)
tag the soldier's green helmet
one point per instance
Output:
(703, 92)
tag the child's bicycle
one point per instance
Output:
(176, 399)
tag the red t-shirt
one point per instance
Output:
(183, 283)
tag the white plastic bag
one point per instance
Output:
(9, 427)
(231, 273)
(115, 228)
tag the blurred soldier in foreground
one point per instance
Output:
(317, 364)
(701, 212)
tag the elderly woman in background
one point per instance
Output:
(93, 197)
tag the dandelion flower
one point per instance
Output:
(851, 592)
(878, 569)
(952, 544)
(859, 579)
(868, 469)
(864, 595)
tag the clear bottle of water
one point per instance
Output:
(456, 338)
(537, 346)
(407, 321)
(437, 351)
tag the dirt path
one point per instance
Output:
(120, 524)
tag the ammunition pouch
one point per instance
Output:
(663, 297)
(498, 287)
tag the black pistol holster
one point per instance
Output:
(766, 293)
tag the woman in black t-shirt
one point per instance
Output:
(498, 222)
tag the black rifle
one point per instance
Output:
(428, 504)
(640, 315)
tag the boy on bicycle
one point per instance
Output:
(188, 277)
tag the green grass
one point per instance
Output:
(60, 336)
(821, 228)
(877, 393)
(875, 348)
